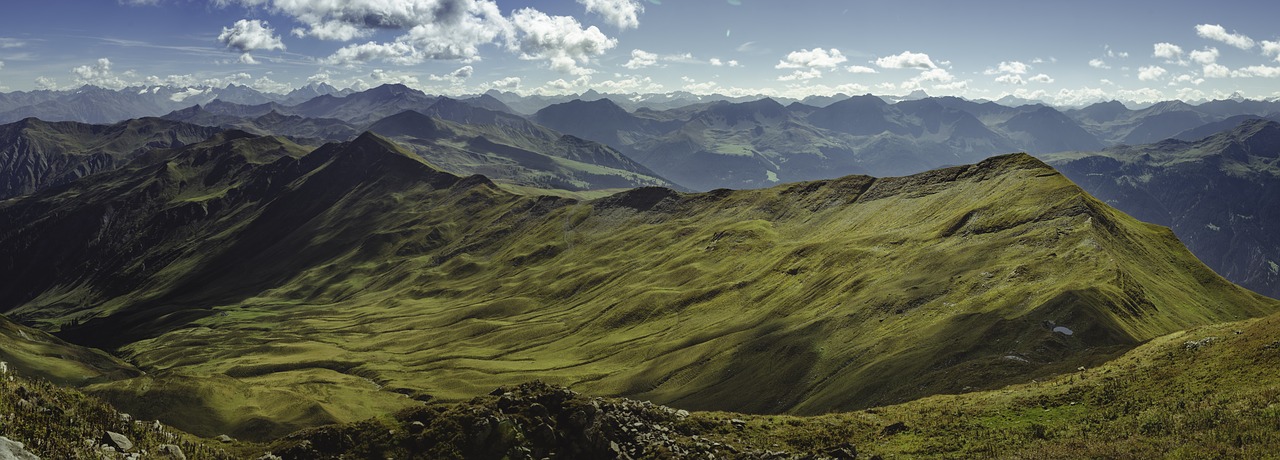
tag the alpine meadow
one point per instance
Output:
(634, 229)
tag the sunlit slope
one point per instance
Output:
(360, 261)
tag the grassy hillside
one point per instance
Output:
(285, 290)
(1209, 392)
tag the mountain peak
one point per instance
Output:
(408, 123)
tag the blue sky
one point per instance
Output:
(1062, 52)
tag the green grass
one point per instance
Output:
(365, 275)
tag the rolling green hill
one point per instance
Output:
(264, 289)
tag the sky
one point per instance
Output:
(1066, 53)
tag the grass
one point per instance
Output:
(363, 275)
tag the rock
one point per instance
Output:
(895, 428)
(269, 456)
(844, 451)
(224, 438)
(126, 418)
(170, 451)
(682, 413)
(10, 449)
(119, 442)
(417, 427)
(738, 423)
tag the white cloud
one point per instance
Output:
(46, 84)
(1041, 78)
(1185, 79)
(7, 43)
(561, 40)
(641, 59)
(630, 84)
(247, 58)
(382, 77)
(250, 35)
(1013, 67)
(457, 77)
(1204, 57)
(814, 58)
(98, 74)
(719, 63)
(1151, 72)
(1257, 71)
(176, 81)
(506, 84)
(1115, 54)
(1098, 64)
(906, 60)
(1, 64)
(623, 14)
(1216, 71)
(140, 2)
(1219, 33)
(1171, 53)
(802, 75)
(267, 85)
(401, 53)
(1011, 79)
(322, 77)
(1271, 48)
(860, 69)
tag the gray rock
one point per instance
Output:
(119, 442)
(14, 450)
(224, 438)
(170, 451)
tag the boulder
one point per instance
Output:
(170, 451)
(119, 442)
(14, 450)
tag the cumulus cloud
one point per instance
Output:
(1271, 48)
(1013, 67)
(641, 59)
(623, 14)
(1115, 54)
(1216, 71)
(506, 84)
(561, 40)
(382, 77)
(45, 83)
(98, 74)
(1011, 79)
(1171, 53)
(802, 75)
(906, 60)
(719, 63)
(1151, 73)
(860, 69)
(1098, 64)
(1041, 78)
(1219, 33)
(629, 84)
(401, 53)
(457, 77)
(1185, 79)
(250, 35)
(1261, 71)
(814, 58)
(1205, 56)
(267, 85)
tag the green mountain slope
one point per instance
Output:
(35, 155)
(270, 290)
(1218, 194)
(37, 354)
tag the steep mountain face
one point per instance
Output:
(35, 155)
(324, 283)
(1218, 194)
(511, 149)
(299, 129)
